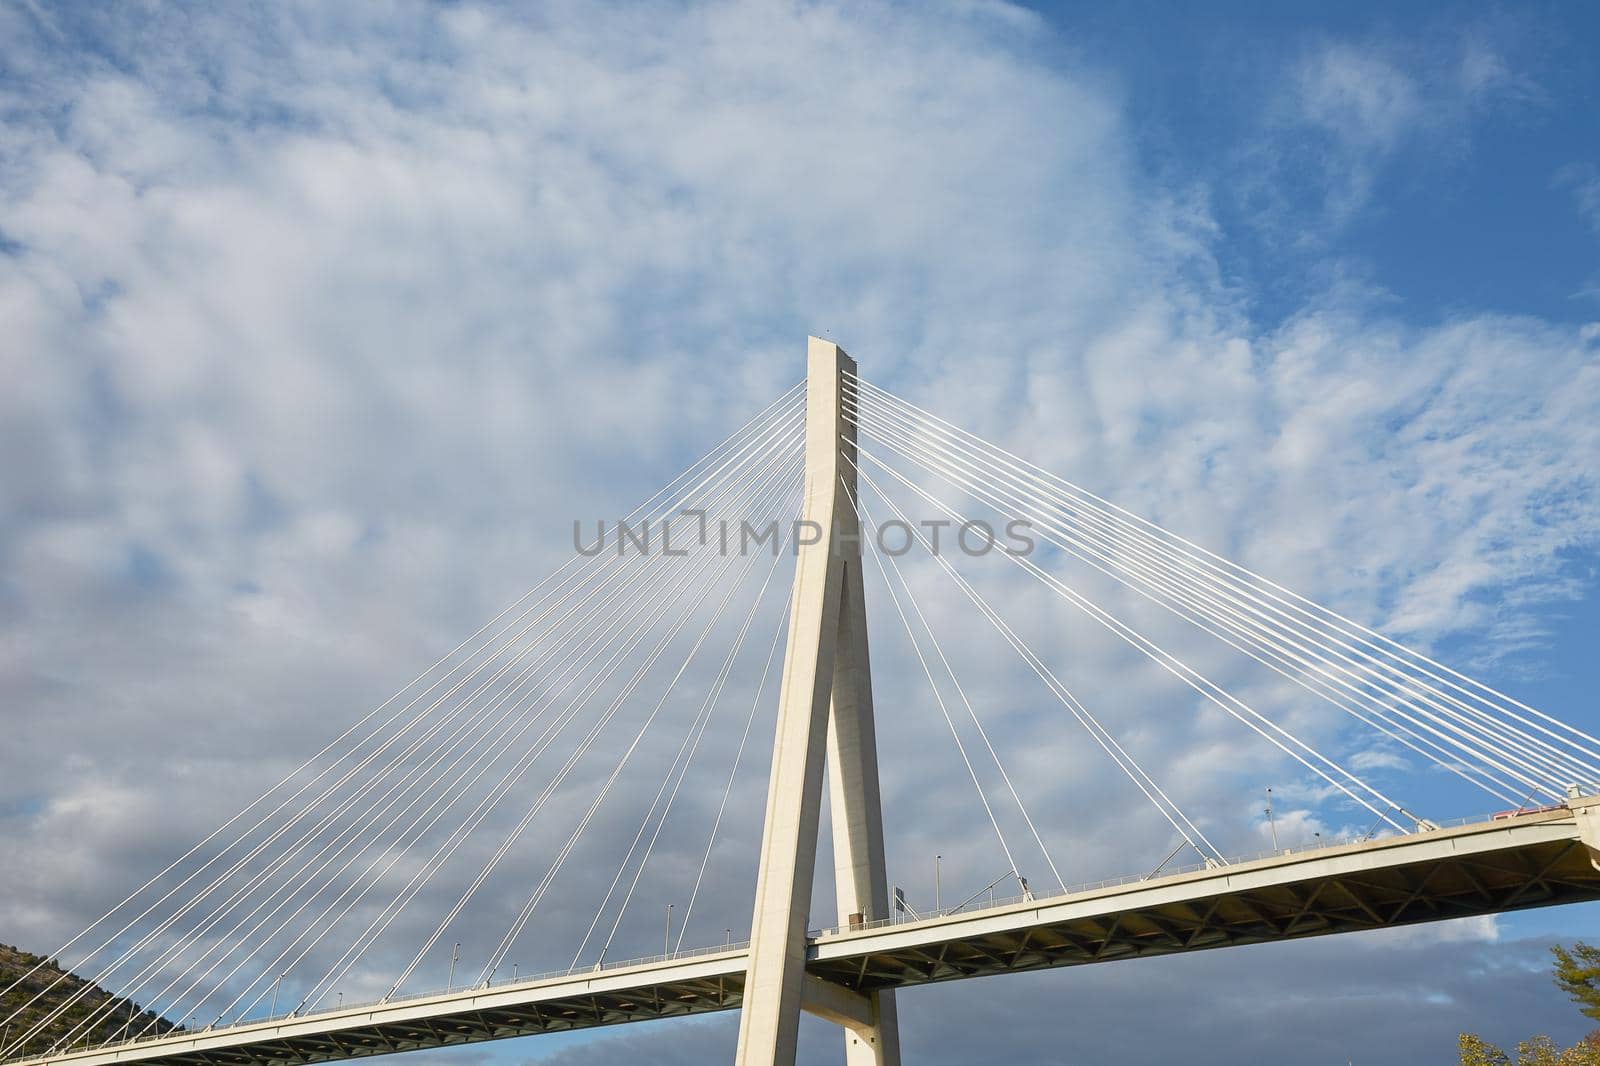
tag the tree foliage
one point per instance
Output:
(1577, 974)
(1476, 1051)
(36, 994)
(1539, 1051)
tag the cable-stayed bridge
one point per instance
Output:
(365, 869)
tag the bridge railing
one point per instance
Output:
(1318, 844)
(740, 945)
(481, 986)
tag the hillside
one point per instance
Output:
(15, 962)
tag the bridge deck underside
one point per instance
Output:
(1531, 861)
(578, 1011)
(713, 988)
(1536, 874)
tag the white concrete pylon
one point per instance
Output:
(824, 708)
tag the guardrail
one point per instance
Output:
(481, 986)
(740, 945)
(1319, 844)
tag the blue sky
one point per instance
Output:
(322, 324)
(1468, 217)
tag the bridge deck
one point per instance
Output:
(1531, 860)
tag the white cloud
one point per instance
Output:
(1364, 100)
(322, 327)
(1584, 181)
(1347, 112)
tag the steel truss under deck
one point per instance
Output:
(1506, 864)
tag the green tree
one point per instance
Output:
(1476, 1051)
(1578, 975)
(1539, 1051)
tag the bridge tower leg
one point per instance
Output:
(824, 711)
